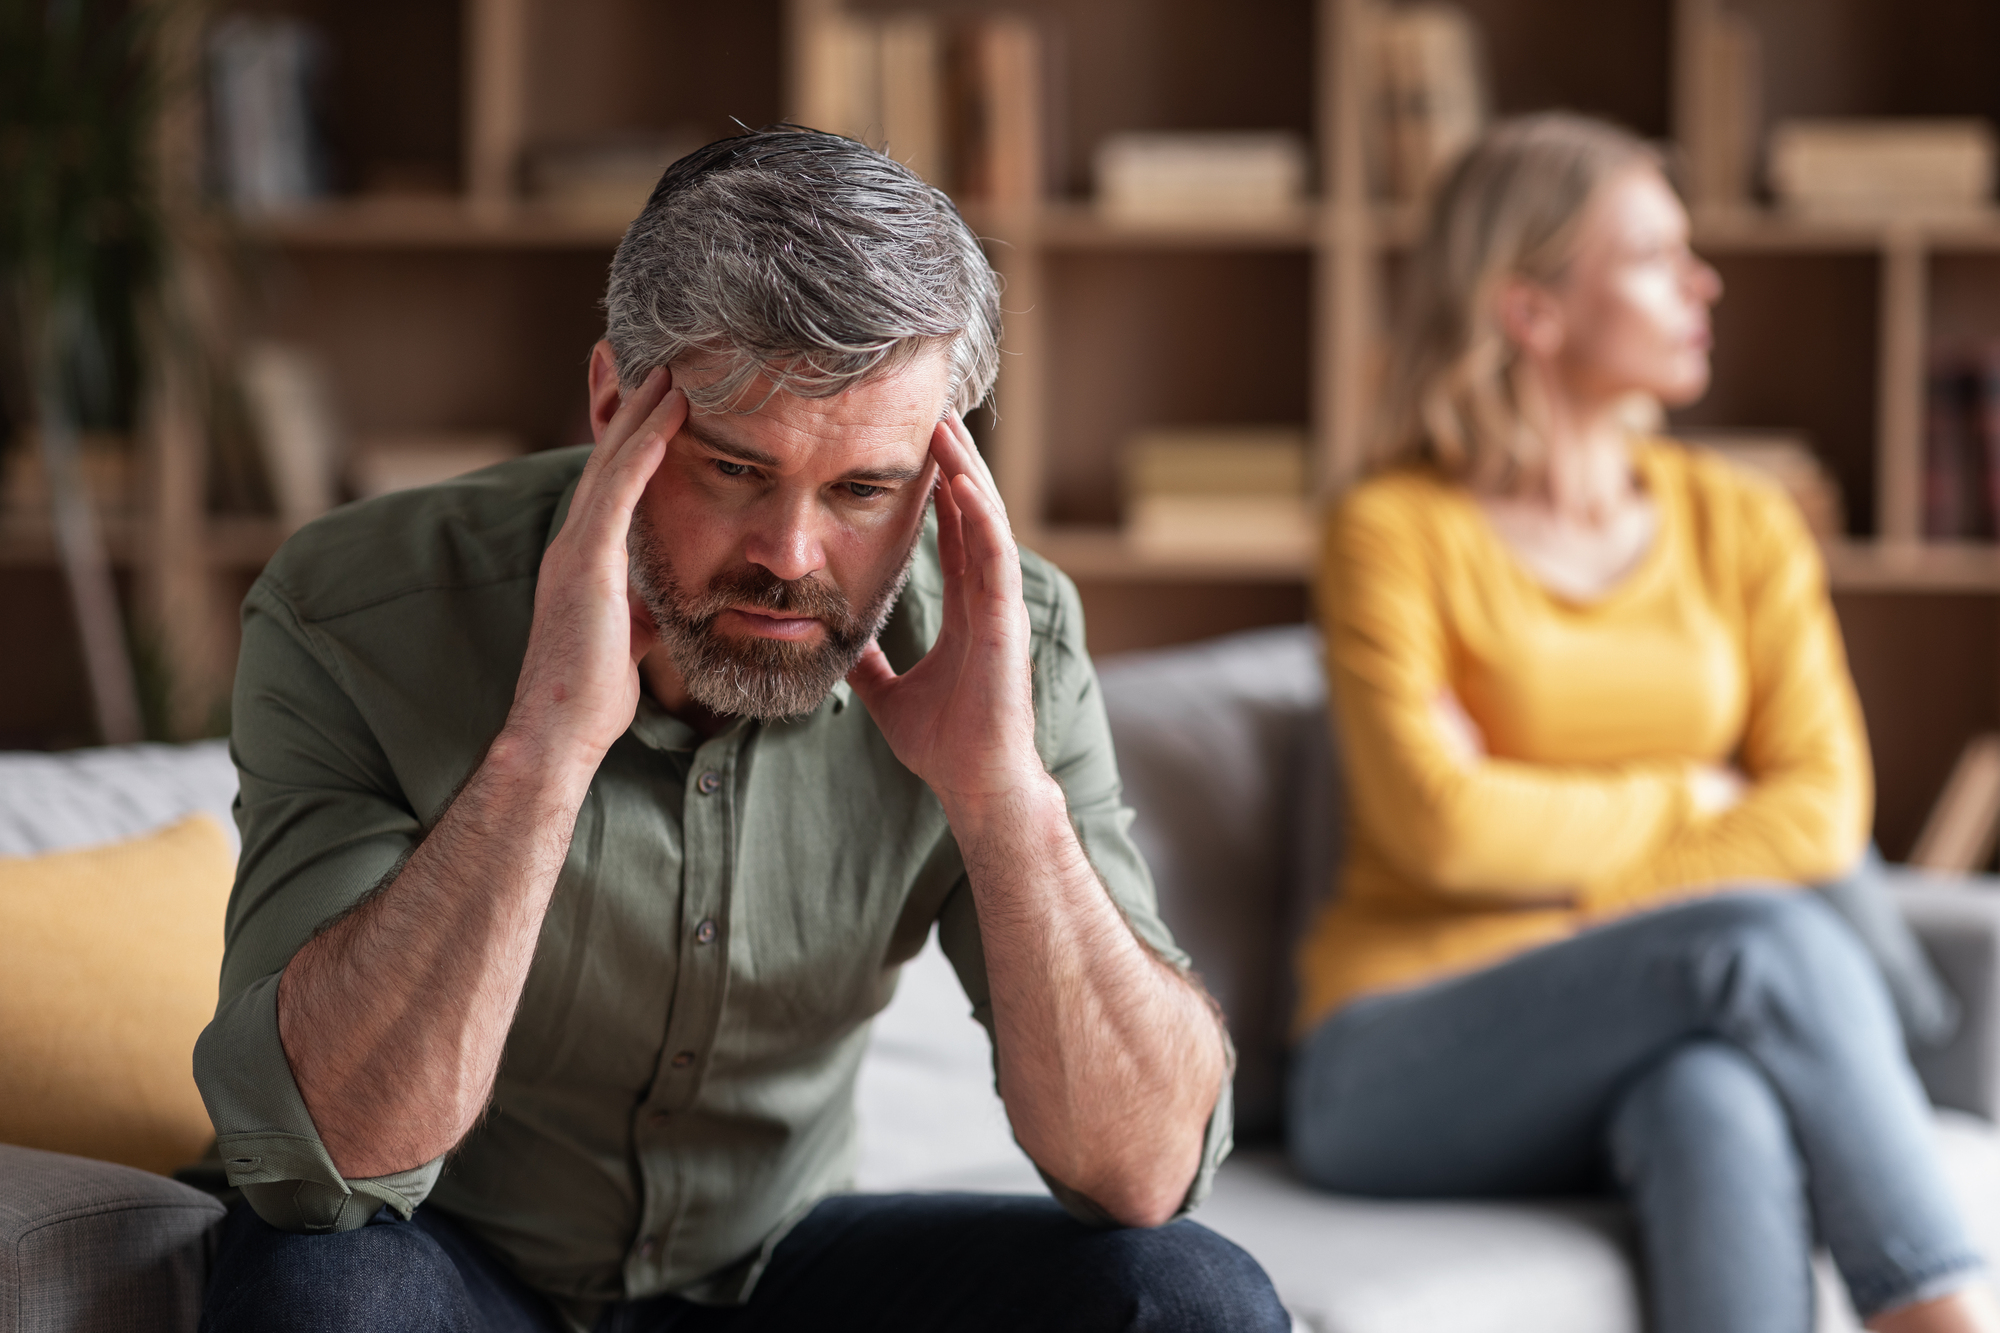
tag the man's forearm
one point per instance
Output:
(395, 1017)
(1110, 1060)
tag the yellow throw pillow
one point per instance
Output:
(108, 964)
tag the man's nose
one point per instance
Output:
(786, 538)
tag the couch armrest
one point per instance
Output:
(92, 1246)
(1958, 921)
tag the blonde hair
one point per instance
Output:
(1509, 209)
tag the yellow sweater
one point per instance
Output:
(1720, 646)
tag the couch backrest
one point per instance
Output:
(1228, 759)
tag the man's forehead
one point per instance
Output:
(875, 421)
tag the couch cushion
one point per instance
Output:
(1350, 1265)
(108, 965)
(89, 1247)
(80, 798)
(1227, 760)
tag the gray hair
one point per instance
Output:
(802, 256)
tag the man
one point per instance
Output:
(589, 808)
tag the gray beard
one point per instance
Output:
(754, 677)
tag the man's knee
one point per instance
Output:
(388, 1275)
(1182, 1278)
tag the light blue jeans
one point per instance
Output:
(1732, 1066)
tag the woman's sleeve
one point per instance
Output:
(1491, 828)
(1806, 815)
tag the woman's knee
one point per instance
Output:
(1704, 1111)
(1762, 955)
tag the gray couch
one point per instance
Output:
(1225, 753)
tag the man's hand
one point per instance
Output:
(963, 719)
(425, 975)
(1110, 1062)
(579, 683)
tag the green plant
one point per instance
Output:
(82, 253)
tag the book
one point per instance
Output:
(1149, 177)
(267, 145)
(611, 177)
(958, 103)
(1878, 168)
(1220, 490)
(1430, 97)
(1000, 111)
(1956, 488)
(290, 403)
(1723, 141)
(911, 69)
(1959, 834)
(840, 76)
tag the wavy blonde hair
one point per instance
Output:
(1509, 209)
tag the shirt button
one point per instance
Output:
(708, 782)
(705, 932)
(649, 1247)
(684, 1059)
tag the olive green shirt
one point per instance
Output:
(678, 1084)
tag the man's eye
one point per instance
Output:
(729, 469)
(861, 490)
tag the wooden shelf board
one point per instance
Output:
(1759, 230)
(1106, 553)
(435, 223)
(1939, 567)
(28, 541)
(1080, 226)
(231, 542)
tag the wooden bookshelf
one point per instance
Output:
(442, 296)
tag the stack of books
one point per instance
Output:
(1788, 458)
(610, 178)
(1430, 97)
(1882, 168)
(960, 103)
(396, 462)
(1218, 491)
(1962, 445)
(1147, 177)
(108, 475)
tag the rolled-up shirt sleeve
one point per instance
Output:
(1074, 737)
(323, 824)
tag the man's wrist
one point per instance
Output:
(560, 767)
(1006, 813)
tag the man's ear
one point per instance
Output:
(605, 393)
(1529, 318)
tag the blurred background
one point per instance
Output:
(262, 259)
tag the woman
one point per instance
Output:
(1597, 721)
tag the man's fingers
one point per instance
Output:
(990, 558)
(633, 408)
(957, 455)
(637, 458)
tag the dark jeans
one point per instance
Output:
(959, 1262)
(1732, 1065)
